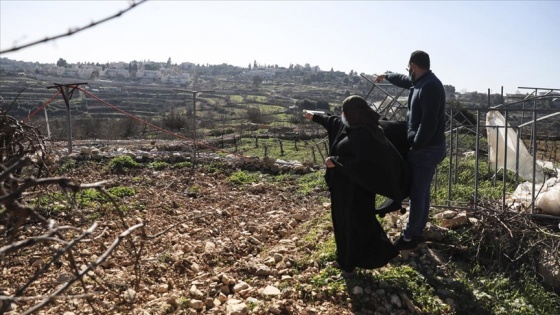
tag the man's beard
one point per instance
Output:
(411, 75)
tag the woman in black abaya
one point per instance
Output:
(361, 164)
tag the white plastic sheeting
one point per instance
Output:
(548, 196)
(500, 151)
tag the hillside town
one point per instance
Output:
(187, 74)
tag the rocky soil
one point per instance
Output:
(207, 246)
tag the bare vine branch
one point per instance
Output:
(80, 275)
(74, 31)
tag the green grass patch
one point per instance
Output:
(52, 203)
(322, 246)
(282, 178)
(67, 166)
(236, 98)
(214, 167)
(241, 178)
(406, 279)
(158, 165)
(463, 182)
(500, 293)
(182, 165)
(288, 150)
(257, 98)
(122, 164)
(311, 181)
(121, 191)
(87, 197)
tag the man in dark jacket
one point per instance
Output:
(426, 136)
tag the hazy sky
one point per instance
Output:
(473, 45)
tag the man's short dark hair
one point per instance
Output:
(421, 59)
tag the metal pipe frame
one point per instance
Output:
(454, 129)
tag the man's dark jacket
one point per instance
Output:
(426, 109)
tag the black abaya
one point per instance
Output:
(363, 167)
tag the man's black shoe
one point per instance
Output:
(411, 244)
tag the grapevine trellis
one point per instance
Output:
(463, 124)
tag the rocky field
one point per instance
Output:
(215, 238)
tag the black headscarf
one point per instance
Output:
(358, 113)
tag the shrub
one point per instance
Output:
(122, 163)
